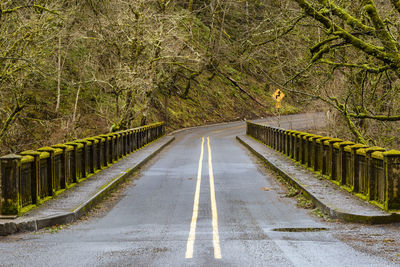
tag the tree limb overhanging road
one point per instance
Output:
(203, 201)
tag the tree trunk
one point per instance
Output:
(76, 106)
(59, 75)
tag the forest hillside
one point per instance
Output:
(71, 69)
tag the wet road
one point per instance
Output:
(200, 202)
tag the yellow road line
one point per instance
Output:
(192, 233)
(217, 247)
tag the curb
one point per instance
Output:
(69, 217)
(326, 209)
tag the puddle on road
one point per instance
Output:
(300, 229)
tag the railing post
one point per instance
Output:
(331, 163)
(302, 148)
(314, 152)
(135, 140)
(354, 178)
(370, 179)
(66, 166)
(392, 179)
(10, 180)
(92, 144)
(35, 180)
(100, 152)
(113, 147)
(341, 172)
(307, 149)
(290, 143)
(85, 157)
(286, 142)
(321, 154)
(280, 140)
(106, 152)
(75, 173)
(297, 145)
(51, 170)
(129, 142)
(125, 143)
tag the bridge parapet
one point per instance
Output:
(34, 176)
(371, 173)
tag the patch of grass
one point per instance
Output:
(304, 202)
(318, 213)
(292, 191)
(55, 228)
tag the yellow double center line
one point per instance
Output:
(193, 224)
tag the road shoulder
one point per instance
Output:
(332, 200)
(75, 202)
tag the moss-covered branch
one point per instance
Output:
(375, 117)
(318, 46)
(366, 67)
(386, 54)
(396, 4)
(386, 39)
(343, 109)
(15, 9)
(346, 17)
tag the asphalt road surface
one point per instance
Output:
(203, 201)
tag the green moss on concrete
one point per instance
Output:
(27, 159)
(332, 140)
(391, 153)
(344, 143)
(8, 207)
(377, 155)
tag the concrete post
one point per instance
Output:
(313, 152)
(85, 157)
(321, 154)
(341, 168)
(100, 162)
(354, 184)
(392, 178)
(93, 157)
(66, 165)
(291, 143)
(75, 173)
(302, 149)
(307, 140)
(371, 179)
(331, 163)
(106, 152)
(285, 142)
(10, 179)
(51, 170)
(35, 186)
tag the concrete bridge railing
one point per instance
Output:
(34, 176)
(371, 173)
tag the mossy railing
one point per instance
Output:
(371, 173)
(32, 177)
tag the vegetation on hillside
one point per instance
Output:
(70, 69)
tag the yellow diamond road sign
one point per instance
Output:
(278, 95)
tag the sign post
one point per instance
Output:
(278, 95)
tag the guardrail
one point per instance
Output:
(34, 176)
(371, 173)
